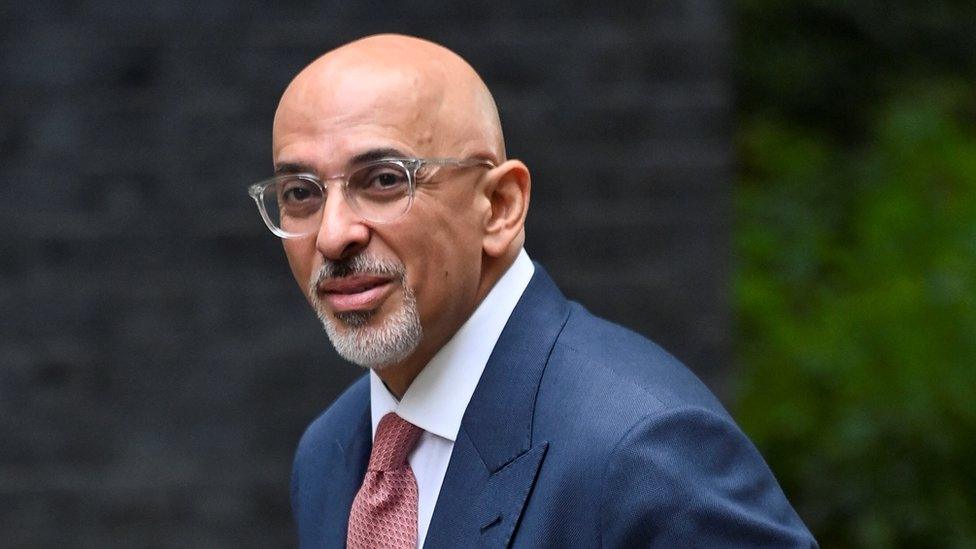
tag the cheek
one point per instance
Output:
(441, 246)
(452, 265)
(301, 258)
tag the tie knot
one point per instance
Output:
(395, 437)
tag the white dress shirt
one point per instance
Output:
(437, 398)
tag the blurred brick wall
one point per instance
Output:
(157, 362)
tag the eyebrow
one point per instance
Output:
(377, 154)
(361, 158)
(292, 167)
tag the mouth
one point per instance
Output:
(354, 293)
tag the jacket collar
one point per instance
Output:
(499, 417)
(495, 460)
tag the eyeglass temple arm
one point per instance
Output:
(460, 162)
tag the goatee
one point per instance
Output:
(353, 333)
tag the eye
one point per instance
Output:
(386, 179)
(296, 190)
(380, 181)
(297, 196)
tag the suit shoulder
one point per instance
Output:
(689, 476)
(613, 360)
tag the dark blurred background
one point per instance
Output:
(780, 193)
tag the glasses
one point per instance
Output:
(380, 191)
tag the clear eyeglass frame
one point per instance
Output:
(413, 168)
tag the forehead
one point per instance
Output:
(337, 111)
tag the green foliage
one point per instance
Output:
(855, 285)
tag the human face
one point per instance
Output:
(437, 245)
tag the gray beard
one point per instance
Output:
(351, 333)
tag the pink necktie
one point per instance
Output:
(384, 513)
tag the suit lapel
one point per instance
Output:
(495, 462)
(354, 451)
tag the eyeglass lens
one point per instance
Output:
(377, 192)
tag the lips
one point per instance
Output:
(355, 293)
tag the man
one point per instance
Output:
(502, 413)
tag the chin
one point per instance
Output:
(372, 339)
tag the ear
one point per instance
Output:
(507, 191)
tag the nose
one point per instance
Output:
(342, 232)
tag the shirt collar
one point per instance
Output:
(437, 398)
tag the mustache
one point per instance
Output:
(357, 265)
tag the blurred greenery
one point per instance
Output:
(855, 276)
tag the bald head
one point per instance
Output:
(426, 92)
(396, 96)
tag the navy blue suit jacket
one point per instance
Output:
(579, 434)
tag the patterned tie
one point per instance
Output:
(384, 513)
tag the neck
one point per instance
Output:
(398, 377)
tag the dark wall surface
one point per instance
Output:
(157, 361)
